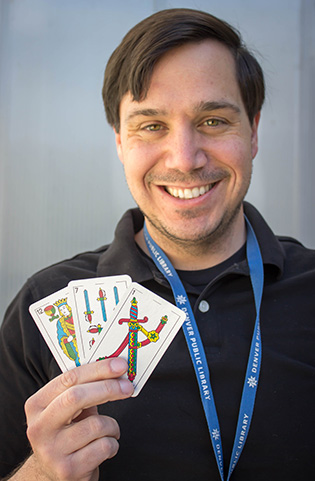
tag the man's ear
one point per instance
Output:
(118, 145)
(254, 139)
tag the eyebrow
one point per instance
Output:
(216, 105)
(203, 106)
(145, 113)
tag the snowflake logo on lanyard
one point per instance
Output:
(181, 299)
(252, 381)
(215, 434)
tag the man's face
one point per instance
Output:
(187, 148)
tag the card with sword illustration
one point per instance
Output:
(94, 319)
(93, 302)
(140, 331)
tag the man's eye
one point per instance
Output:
(153, 127)
(213, 122)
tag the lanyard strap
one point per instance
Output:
(198, 356)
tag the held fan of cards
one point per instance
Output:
(94, 319)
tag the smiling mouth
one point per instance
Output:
(189, 193)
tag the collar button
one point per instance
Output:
(203, 306)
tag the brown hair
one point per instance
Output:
(130, 67)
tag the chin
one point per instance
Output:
(189, 236)
(192, 230)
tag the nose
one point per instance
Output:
(184, 150)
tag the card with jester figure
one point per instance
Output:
(94, 301)
(54, 318)
(140, 331)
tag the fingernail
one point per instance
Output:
(118, 365)
(125, 386)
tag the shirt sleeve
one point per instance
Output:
(25, 366)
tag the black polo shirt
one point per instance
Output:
(163, 431)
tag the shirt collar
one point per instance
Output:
(272, 252)
(124, 257)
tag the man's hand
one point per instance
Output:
(69, 438)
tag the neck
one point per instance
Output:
(194, 256)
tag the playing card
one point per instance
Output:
(94, 301)
(54, 319)
(141, 329)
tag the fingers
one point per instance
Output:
(98, 371)
(63, 399)
(81, 465)
(88, 430)
(69, 404)
(67, 435)
(92, 455)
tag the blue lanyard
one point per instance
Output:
(198, 356)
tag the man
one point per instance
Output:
(184, 98)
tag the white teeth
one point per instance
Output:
(189, 193)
